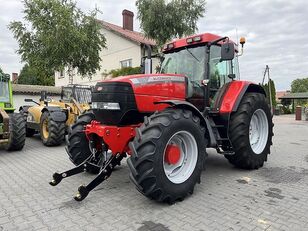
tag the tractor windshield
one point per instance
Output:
(190, 62)
(4, 92)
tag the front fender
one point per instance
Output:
(195, 111)
(58, 116)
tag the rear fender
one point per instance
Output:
(234, 93)
(196, 112)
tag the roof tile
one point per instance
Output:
(132, 35)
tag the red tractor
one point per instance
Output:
(164, 122)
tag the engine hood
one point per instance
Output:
(164, 85)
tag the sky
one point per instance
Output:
(276, 32)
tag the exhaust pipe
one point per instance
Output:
(147, 64)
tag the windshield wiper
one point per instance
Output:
(192, 55)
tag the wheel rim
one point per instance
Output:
(258, 131)
(45, 129)
(178, 169)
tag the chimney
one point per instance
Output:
(128, 20)
(14, 77)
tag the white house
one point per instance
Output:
(124, 47)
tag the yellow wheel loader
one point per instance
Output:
(51, 118)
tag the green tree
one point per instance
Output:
(59, 35)
(299, 85)
(164, 20)
(31, 76)
(273, 91)
(3, 74)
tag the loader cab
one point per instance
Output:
(206, 63)
(80, 93)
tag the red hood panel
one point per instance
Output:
(152, 88)
(165, 85)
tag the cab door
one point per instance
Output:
(219, 73)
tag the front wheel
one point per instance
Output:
(52, 132)
(250, 132)
(168, 153)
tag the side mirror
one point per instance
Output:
(227, 51)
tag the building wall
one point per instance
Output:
(118, 49)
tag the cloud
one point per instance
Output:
(276, 33)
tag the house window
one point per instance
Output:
(126, 63)
(61, 74)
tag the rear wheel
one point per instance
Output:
(17, 132)
(52, 132)
(251, 131)
(167, 155)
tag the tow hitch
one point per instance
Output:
(104, 171)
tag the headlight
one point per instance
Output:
(105, 105)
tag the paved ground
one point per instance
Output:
(272, 198)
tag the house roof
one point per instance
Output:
(301, 95)
(281, 93)
(35, 89)
(131, 35)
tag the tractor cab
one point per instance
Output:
(209, 62)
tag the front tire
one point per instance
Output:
(168, 154)
(17, 132)
(77, 146)
(250, 132)
(52, 132)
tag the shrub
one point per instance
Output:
(125, 71)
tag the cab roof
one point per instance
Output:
(192, 41)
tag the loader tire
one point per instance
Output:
(17, 132)
(77, 146)
(250, 132)
(155, 171)
(29, 131)
(52, 132)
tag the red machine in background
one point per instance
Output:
(165, 121)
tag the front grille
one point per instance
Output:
(116, 92)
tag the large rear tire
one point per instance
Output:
(168, 154)
(250, 132)
(17, 132)
(52, 132)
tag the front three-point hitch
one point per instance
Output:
(104, 170)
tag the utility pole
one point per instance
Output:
(267, 71)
